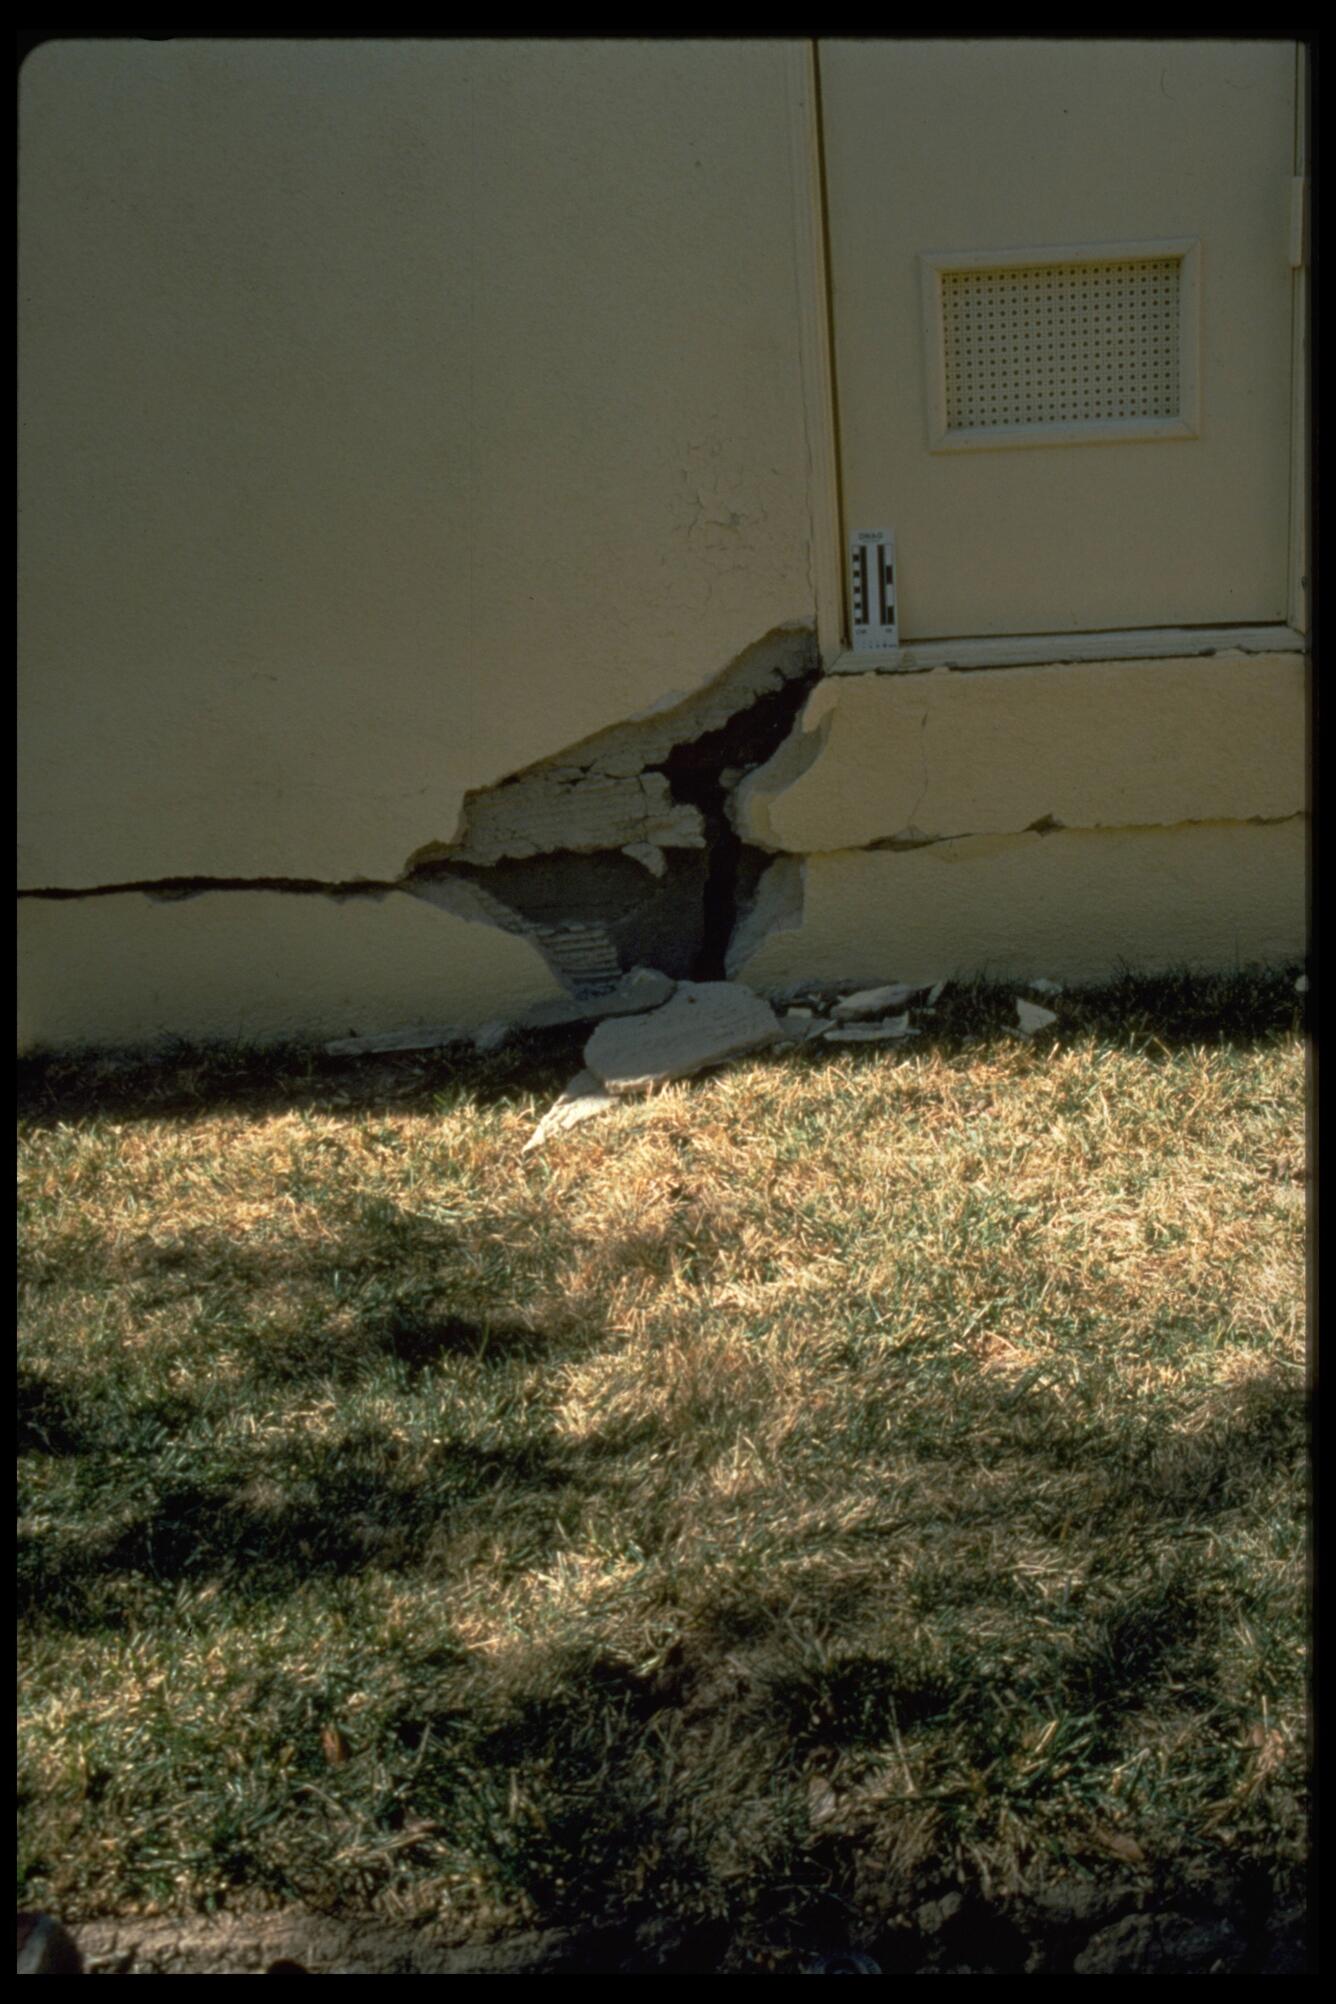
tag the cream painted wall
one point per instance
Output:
(398, 414)
(997, 145)
(262, 967)
(394, 414)
(1074, 906)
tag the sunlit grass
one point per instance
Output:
(842, 1467)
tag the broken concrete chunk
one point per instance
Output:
(580, 1100)
(1031, 1017)
(871, 1033)
(397, 1040)
(871, 1001)
(704, 1023)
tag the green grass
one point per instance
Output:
(859, 1466)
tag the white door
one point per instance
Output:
(1063, 316)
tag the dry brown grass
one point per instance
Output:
(818, 1477)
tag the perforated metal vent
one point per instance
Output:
(1064, 344)
(1061, 343)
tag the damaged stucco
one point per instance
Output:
(419, 583)
(1109, 744)
(559, 882)
(772, 828)
(619, 852)
(1073, 905)
(1050, 820)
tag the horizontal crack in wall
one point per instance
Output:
(171, 890)
(1046, 825)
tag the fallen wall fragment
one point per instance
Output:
(704, 1024)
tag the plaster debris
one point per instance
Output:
(605, 792)
(580, 1100)
(777, 907)
(705, 1023)
(397, 1040)
(643, 988)
(647, 853)
(871, 1001)
(1031, 1017)
(1044, 987)
(871, 1033)
(544, 811)
(492, 1035)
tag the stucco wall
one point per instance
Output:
(1079, 906)
(422, 531)
(1099, 744)
(394, 415)
(1058, 820)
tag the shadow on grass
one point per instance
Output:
(709, 1752)
(699, 1764)
(1150, 1014)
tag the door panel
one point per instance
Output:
(1062, 307)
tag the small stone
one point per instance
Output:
(492, 1035)
(1301, 985)
(704, 1023)
(934, 1915)
(799, 1015)
(1161, 1945)
(580, 1100)
(871, 1033)
(935, 993)
(792, 1033)
(872, 1001)
(1031, 1017)
(1043, 986)
(45, 1949)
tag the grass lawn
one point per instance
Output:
(861, 1470)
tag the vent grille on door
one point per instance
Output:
(1072, 348)
(1061, 343)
